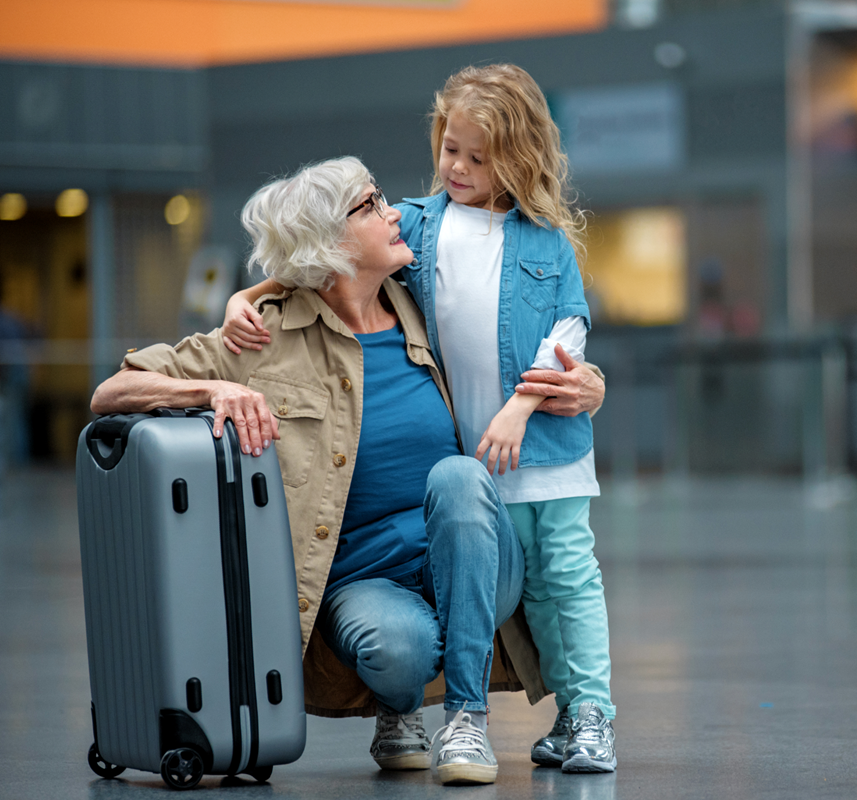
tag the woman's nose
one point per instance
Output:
(393, 214)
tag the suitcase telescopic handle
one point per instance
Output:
(107, 437)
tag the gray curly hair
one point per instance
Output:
(298, 223)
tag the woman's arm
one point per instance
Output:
(131, 390)
(242, 324)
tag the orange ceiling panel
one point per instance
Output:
(206, 32)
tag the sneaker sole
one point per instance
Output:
(405, 761)
(581, 763)
(467, 773)
(545, 758)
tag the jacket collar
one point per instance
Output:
(304, 306)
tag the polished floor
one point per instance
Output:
(733, 608)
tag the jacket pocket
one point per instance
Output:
(300, 409)
(539, 281)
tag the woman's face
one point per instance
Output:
(374, 242)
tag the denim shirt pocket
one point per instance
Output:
(539, 280)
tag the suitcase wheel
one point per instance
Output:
(261, 774)
(181, 768)
(102, 768)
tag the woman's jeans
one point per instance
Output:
(399, 634)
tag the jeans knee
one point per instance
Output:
(458, 474)
(397, 656)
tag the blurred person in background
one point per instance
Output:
(14, 389)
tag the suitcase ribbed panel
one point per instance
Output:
(154, 592)
(117, 615)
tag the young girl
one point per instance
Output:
(496, 276)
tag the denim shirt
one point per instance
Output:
(540, 284)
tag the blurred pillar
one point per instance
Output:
(800, 302)
(102, 277)
(824, 412)
(623, 423)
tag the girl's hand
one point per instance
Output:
(243, 327)
(503, 439)
(506, 432)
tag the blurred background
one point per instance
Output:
(713, 141)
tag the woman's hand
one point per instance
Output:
(242, 326)
(249, 412)
(503, 437)
(569, 393)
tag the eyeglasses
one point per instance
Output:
(376, 200)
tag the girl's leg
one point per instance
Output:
(540, 608)
(573, 580)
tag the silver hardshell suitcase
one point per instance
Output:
(191, 600)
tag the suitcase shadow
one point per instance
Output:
(145, 786)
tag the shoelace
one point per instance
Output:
(403, 729)
(588, 726)
(460, 735)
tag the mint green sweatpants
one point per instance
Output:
(564, 601)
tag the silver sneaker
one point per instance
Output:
(465, 754)
(547, 751)
(400, 741)
(590, 746)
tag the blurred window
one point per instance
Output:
(635, 272)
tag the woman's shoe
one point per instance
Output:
(465, 755)
(400, 741)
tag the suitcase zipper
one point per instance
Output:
(236, 588)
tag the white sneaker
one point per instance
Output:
(465, 754)
(400, 741)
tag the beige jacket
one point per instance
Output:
(311, 375)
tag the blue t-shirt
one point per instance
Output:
(406, 429)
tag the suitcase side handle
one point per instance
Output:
(107, 437)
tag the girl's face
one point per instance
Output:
(463, 166)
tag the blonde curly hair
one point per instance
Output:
(522, 143)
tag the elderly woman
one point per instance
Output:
(407, 561)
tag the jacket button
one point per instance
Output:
(339, 460)
(282, 410)
(322, 531)
(303, 605)
(345, 384)
(540, 272)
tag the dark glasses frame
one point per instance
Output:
(376, 200)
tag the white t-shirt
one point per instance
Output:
(467, 297)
